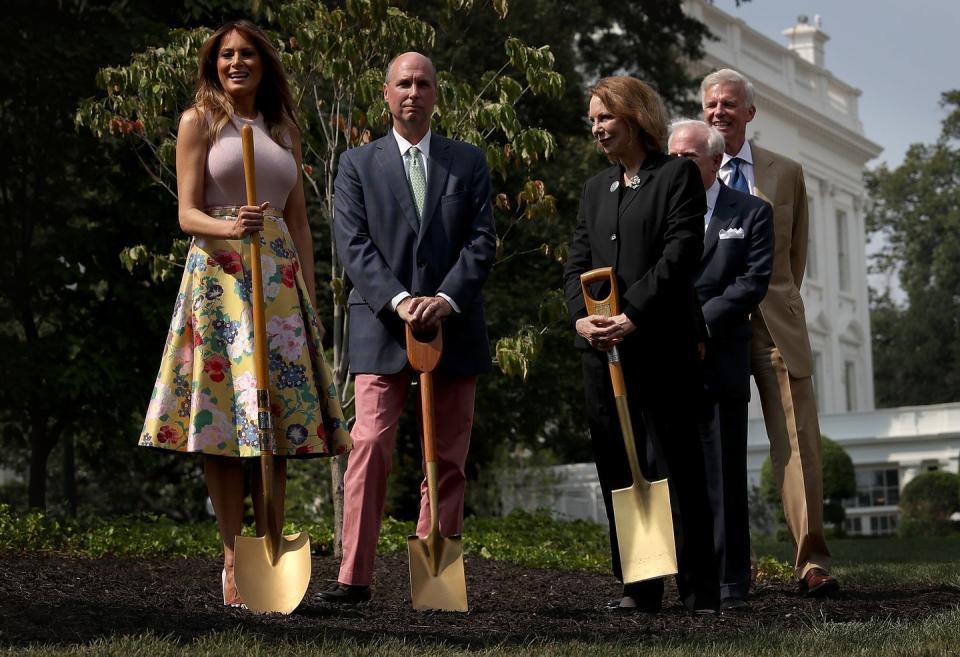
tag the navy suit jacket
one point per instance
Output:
(386, 250)
(733, 278)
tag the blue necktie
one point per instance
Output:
(738, 181)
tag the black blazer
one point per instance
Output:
(734, 273)
(386, 250)
(654, 242)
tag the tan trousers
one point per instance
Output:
(790, 416)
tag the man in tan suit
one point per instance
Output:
(781, 359)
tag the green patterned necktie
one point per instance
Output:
(418, 179)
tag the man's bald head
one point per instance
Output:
(410, 90)
(414, 56)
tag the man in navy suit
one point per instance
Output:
(734, 273)
(415, 232)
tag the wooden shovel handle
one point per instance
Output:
(426, 417)
(607, 307)
(423, 357)
(259, 321)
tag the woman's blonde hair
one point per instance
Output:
(274, 99)
(637, 104)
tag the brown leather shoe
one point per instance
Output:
(818, 584)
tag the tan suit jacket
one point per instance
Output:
(779, 181)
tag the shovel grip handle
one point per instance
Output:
(423, 356)
(608, 306)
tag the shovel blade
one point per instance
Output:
(268, 586)
(645, 531)
(437, 579)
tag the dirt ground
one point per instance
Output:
(49, 599)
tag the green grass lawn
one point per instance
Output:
(884, 561)
(938, 635)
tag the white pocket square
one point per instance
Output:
(731, 234)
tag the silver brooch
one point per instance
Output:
(634, 182)
(614, 185)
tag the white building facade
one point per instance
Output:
(806, 113)
(889, 447)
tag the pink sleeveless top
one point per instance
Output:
(276, 168)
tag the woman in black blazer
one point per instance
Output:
(644, 217)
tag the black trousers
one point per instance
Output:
(724, 438)
(668, 445)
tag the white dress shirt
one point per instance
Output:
(424, 147)
(746, 167)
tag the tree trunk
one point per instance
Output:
(70, 475)
(40, 448)
(338, 465)
(341, 373)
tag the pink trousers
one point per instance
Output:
(379, 402)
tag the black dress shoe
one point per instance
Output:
(734, 604)
(345, 594)
(627, 605)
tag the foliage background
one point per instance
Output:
(81, 334)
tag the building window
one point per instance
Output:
(811, 241)
(843, 251)
(850, 384)
(876, 487)
(878, 525)
(853, 526)
(883, 525)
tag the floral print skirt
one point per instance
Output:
(205, 397)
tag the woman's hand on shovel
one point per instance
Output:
(249, 220)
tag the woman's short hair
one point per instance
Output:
(274, 99)
(638, 105)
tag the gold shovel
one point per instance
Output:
(272, 571)
(437, 580)
(641, 512)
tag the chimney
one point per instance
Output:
(807, 40)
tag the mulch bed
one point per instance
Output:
(51, 599)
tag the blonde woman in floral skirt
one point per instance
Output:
(205, 399)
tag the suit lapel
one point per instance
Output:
(437, 173)
(721, 218)
(391, 165)
(765, 173)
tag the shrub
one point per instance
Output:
(839, 483)
(770, 570)
(927, 503)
